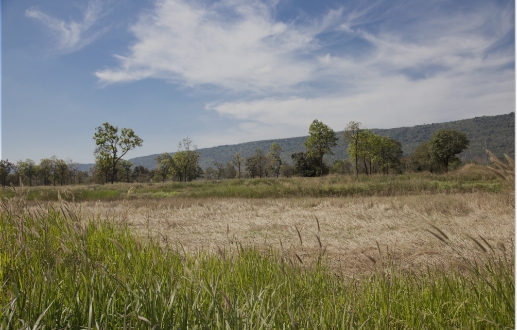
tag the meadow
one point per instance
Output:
(394, 252)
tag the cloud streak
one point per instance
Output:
(235, 45)
(70, 36)
(386, 68)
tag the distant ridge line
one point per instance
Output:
(497, 132)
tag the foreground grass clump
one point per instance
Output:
(59, 271)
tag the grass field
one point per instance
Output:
(409, 252)
(471, 178)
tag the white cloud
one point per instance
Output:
(286, 74)
(401, 82)
(70, 36)
(236, 45)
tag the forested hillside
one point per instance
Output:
(497, 132)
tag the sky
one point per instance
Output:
(233, 71)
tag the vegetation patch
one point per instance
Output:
(164, 194)
(62, 272)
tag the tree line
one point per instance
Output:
(368, 154)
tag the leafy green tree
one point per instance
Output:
(186, 160)
(61, 170)
(219, 170)
(362, 148)
(304, 165)
(28, 169)
(36, 174)
(101, 171)
(164, 164)
(45, 170)
(82, 177)
(251, 167)
(445, 144)
(140, 174)
(275, 161)
(351, 134)
(209, 173)
(261, 162)
(287, 170)
(16, 174)
(341, 167)
(421, 159)
(73, 169)
(320, 141)
(229, 171)
(125, 169)
(238, 161)
(111, 146)
(390, 153)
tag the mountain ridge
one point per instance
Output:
(497, 133)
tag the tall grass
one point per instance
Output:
(469, 179)
(58, 271)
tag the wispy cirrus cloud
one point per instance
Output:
(383, 64)
(70, 36)
(235, 45)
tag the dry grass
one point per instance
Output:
(505, 171)
(355, 234)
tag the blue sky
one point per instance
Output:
(232, 71)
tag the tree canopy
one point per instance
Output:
(445, 144)
(320, 141)
(112, 146)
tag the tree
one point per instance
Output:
(17, 172)
(209, 173)
(421, 159)
(61, 170)
(125, 168)
(261, 161)
(287, 170)
(186, 160)
(219, 170)
(101, 170)
(111, 146)
(274, 158)
(341, 167)
(164, 164)
(303, 165)
(28, 169)
(73, 169)
(229, 171)
(81, 176)
(445, 144)
(351, 135)
(140, 174)
(45, 170)
(238, 161)
(5, 168)
(361, 147)
(321, 139)
(390, 153)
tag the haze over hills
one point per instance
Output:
(496, 132)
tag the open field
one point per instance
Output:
(349, 229)
(471, 178)
(418, 257)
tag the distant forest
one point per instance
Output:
(497, 133)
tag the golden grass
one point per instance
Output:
(355, 234)
(505, 171)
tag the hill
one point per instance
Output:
(496, 132)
